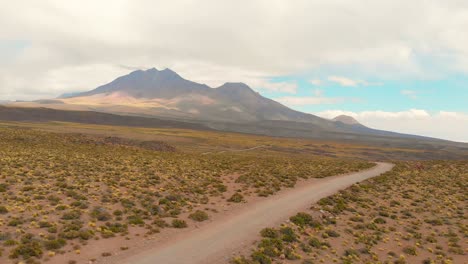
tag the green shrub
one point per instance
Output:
(100, 214)
(410, 250)
(44, 224)
(54, 244)
(301, 219)
(351, 252)
(291, 254)
(260, 258)
(199, 216)
(177, 223)
(271, 247)
(236, 198)
(332, 233)
(116, 227)
(15, 222)
(10, 242)
(288, 234)
(27, 250)
(135, 220)
(3, 209)
(314, 242)
(3, 187)
(269, 232)
(379, 220)
(160, 223)
(71, 215)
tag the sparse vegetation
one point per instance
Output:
(177, 223)
(236, 198)
(415, 213)
(67, 190)
(199, 216)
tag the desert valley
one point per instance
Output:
(215, 132)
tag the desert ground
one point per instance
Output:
(76, 197)
(415, 213)
(76, 193)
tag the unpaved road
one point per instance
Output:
(216, 242)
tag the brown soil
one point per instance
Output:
(234, 229)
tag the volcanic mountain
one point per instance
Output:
(163, 94)
(166, 94)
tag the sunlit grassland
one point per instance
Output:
(60, 191)
(198, 141)
(415, 213)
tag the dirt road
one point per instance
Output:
(216, 242)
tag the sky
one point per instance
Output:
(394, 65)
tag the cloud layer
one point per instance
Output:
(442, 124)
(48, 47)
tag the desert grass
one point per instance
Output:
(60, 192)
(414, 214)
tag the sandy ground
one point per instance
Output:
(234, 232)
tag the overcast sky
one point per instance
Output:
(396, 65)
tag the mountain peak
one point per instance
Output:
(235, 86)
(169, 72)
(150, 84)
(349, 120)
(152, 70)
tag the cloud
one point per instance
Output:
(315, 100)
(315, 81)
(318, 92)
(409, 93)
(284, 87)
(215, 76)
(387, 39)
(442, 124)
(343, 81)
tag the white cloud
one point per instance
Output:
(318, 92)
(388, 38)
(343, 81)
(284, 87)
(315, 81)
(442, 124)
(298, 101)
(409, 93)
(215, 76)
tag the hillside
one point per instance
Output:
(24, 114)
(165, 93)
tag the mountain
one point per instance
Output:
(349, 120)
(163, 94)
(150, 84)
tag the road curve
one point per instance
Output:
(215, 243)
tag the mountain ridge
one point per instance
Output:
(233, 106)
(169, 94)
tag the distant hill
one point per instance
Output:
(26, 114)
(267, 127)
(349, 120)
